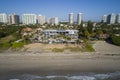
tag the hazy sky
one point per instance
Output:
(91, 9)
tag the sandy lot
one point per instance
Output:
(104, 48)
(43, 48)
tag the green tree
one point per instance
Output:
(115, 40)
(90, 26)
(99, 32)
(86, 33)
(80, 30)
(92, 34)
(68, 38)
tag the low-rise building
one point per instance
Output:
(26, 31)
(60, 36)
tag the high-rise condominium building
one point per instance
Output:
(118, 18)
(54, 21)
(41, 19)
(104, 18)
(71, 18)
(79, 18)
(111, 19)
(13, 19)
(29, 19)
(3, 18)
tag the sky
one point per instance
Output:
(92, 9)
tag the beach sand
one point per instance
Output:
(61, 63)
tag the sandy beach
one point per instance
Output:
(61, 63)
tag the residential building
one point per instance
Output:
(13, 19)
(118, 18)
(26, 31)
(54, 21)
(41, 19)
(104, 18)
(29, 19)
(71, 18)
(48, 21)
(3, 18)
(53, 36)
(79, 18)
(111, 19)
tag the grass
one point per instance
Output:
(86, 48)
(5, 42)
(6, 45)
(7, 39)
(73, 49)
(57, 50)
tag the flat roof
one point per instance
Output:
(59, 30)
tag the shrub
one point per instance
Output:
(17, 45)
(88, 48)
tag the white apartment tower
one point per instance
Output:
(104, 18)
(71, 18)
(111, 19)
(79, 18)
(13, 19)
(54, 21)
(29, 19)
(3, 18)
(41, 19)
(118, 18)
